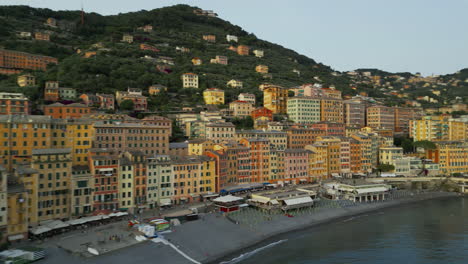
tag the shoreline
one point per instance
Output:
(343, 214)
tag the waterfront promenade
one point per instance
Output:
(214, 236)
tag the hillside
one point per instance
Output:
(118, 65)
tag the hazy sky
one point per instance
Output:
(427, 36)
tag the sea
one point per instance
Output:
(427, 232)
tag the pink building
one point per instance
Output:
(296, 165)
(107, 101)
(331, 129)
(345, 158)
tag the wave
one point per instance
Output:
(251, 253)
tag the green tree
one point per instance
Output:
(426, 144)
(127, 105)
(385, 167)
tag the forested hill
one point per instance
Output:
(118, 65)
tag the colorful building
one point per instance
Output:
(380, 116)
(236, 84)
(452, 156)
(259, 149)
(104, 165)
(51, 91)
(10, 59)
(220, 131)
(261, 69)
(14, 104)
(26, 80)
(355, 113)
(303, 110)
(189, 80)
(296, 166)
(275, 99)
(243, 50)
(148, 138)
(106, 101)
(156, 89)
(67, 93)
(248, 97)
(213, 96)
(241, 108)
(331, 110)
(58, 110)
(193, 177)
(209, 38)
(54, 170)
(82, 190)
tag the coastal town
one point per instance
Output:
(97, 172)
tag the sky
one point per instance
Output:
(426, 36)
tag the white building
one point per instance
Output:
(248, 97)
(230, 38)
(258, 53)
(189, 80)
(160, 181)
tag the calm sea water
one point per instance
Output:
(429, 232)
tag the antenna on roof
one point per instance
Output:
(82, 14)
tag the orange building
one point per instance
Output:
(209, 38)
(148, 47)
(298, 138)
(13, 104)
(14, 60)
(331, 110)
(58, 110)
(261, 69)
(51, 91)
(243, 50)
(259, 160)
(262, 112)
(42, 36)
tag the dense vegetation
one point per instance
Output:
(119, 65)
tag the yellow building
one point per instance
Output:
(331, 110)
(318, 160)
(235, 84)
(3, 203)
(199, 146)
(26, 80)
(17, 211)
(452, 156)
(438, 128)
(79, 135)
(54, 169)
(193, 177)
(22, 134)
(82, 187)
(125, 178)
(213, 96)
(276, 166)
(275, 98)
(387, 155)
(261, 69)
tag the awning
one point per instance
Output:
(183, 198)
(372, 189)
(15, 237)
(302, 180)
(274, 202)
(54, 224)
(165, 201)
(39, 230)
(227, 199)
(300, 200)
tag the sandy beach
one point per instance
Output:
(215, 238)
